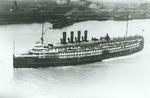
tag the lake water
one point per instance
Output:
(123, 77)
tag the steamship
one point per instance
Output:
(77, 50)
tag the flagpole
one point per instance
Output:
(14, 47)
(127, 27)
(42, 39)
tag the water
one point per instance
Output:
(123, 77)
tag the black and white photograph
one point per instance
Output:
(74, 48)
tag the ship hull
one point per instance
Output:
(35, 62)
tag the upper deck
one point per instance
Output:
(114, 44)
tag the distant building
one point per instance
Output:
(94, 6)
(83, 3)
(63, 1)
(14, 7)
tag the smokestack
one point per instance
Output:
(75, 39)
(85, 35)
(79, 36)
(72, 37)
(64, 38)
(68, 40)
(61, 40)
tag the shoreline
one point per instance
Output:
(61, 24)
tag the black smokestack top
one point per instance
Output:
(85, 35)
(72, 36)
(64, 38)
(79, 36)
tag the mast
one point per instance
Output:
(13, 47)
(43, 32)
(42, 38)
(127, 26)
